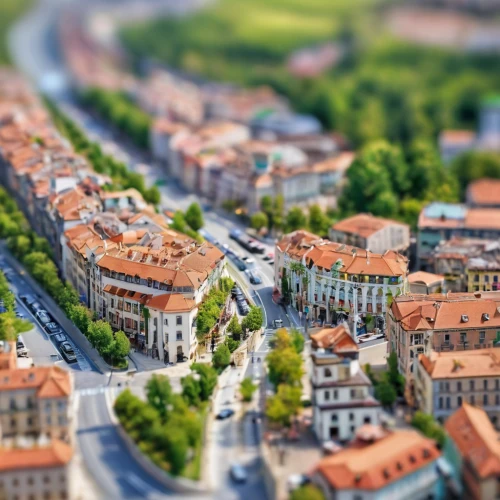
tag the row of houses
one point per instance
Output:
(116, 251)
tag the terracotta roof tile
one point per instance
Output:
(365, 225)
(51, 381)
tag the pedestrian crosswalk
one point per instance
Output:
(93, 391)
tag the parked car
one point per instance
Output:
(36, 306)
(271, 262)
(59, 338)
(67, 352)
(225, 413)
(277, 323)
(243, 308)
(43, 316)
(255, 279)
(29, 299)
(238, 473)
(52, 328)
(240, 264)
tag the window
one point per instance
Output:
(486, 278)
(459, 386)
(447, 386)
(448, 403)
(335, 394)
(328, 372)
(13, 422)
(326, 395)
(112, 302)
(29, 421)
(48, 407)
(459, 401)
(15, 482)
(446, 337)
(440, 403)
(46, 479)
(497, 399)
(497, 384)
(485, 399)
(110, 315)
(179, 335)
(334, 417)
(30, 480)
(472, 399)
(128, 279)
(178, 320)
(463, 337)
(353, 429)
(476, 278)
(61, 420)
(495, 278)
(482, 336)
(135, 309)
(165, 321)
(471, 385)
(485, 384)
(351, 417)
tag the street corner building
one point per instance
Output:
(333, 282)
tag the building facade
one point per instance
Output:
(342, 399)
(445, 380)
(331, 282)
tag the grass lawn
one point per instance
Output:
(10, 10)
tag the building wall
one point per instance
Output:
(483, 280)
(52, 483)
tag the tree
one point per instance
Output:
(80, 316)
(153, 195)
(295, 219)
(426, 424)
(297, 340)
(232, 344)
(234, 328)
(247, 388)
(194, 216)
(100, 335)
(208, 379)
(67, 298)
(475, 165)
(259, 220)
(285, 367)
(318, 223)
(191, 390)
(221, 357)
(159, 394)
(178, 222)
(386, 394)
(253, 320)
(307, 492)
(393, 376)
(119, 348)
(284, 405)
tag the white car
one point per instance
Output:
(238, 473)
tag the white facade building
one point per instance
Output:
(341, 391)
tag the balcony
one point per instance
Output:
(445, 347)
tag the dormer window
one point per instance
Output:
(485, 317)
(464, 318)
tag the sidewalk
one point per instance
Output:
(76, 335)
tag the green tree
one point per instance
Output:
(259, 220)
(475, 165)
(208, 379)
(426, 424)
(232, 344)
(80, 316)
(153, 195)
(393, 376)
(119, 348)
(386, 394)
(221, 357)
(194, 216)
(247, 388)
(295, 219)
(191, 390)
(178, 222)
(234, 328)
(284, 404)
(307, 492)
(318, 223)
(297, 340)
(284, 367)
(100, 335)
(159, 394)
(253, 320)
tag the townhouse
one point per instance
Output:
(374, 233)
(341, 392)
(445, 380)
(420, 324)
(442, 221)
(477, 449)
(332, 282)
(382, 463)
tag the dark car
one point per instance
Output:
(225, 413)
(255, 279)
(52, 328)
(67, 352)
(29, 299)
(59, 338)
(43, 316)
(240, 264)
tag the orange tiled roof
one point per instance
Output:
(484, 191)
(324, 254)
(337, 339)
(463, 364)
(423, 277)
(57, 454)
(375, 465)
(171, 302)
(476, 439)
(51, 381)
(364, 224)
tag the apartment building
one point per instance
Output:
(332, 282)
(483, 272)
(382, 463)
(36, 402)
(374, 233)
(342, 399)
(421, 324)
(445, 380)
(166, 274)
(478, 451)
(442, 221)
(39, 473)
